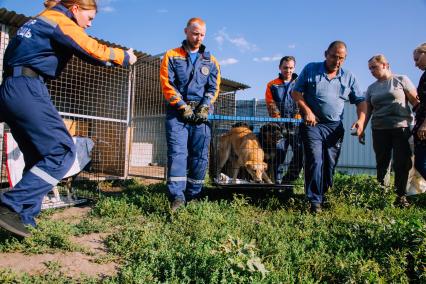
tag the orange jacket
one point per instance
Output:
(278, 98)
(47, 42)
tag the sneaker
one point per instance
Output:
(176, 204)
(11, 221)
(402, 201)
(316, 208)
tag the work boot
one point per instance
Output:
(176, 204)
(316, 208)
(11, 221)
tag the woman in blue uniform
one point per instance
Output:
(40, 51)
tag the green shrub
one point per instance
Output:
(361, 191)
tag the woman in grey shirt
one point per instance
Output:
(387, 105)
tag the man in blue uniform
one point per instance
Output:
(190, 78)
(321, 91)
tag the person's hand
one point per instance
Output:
(357, 128)
(187, 114)
(132, 56)
(310, 119)
(421, 132)
(202, 114)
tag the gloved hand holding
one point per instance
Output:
(187, 114)
(202, 114)
(132, 56)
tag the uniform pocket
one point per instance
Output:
(344, 92)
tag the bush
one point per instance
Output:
(360, 191)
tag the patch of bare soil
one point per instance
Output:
(73, 264)
(72, 215)
(149, 181)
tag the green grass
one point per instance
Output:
(256, 237)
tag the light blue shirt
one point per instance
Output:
(325, 97)
(193, 56)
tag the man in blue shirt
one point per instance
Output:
(320, 92)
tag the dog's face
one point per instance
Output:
(270, 134)
(256, 170)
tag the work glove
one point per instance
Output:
(187, 114)
(132, 56)
(202, 114)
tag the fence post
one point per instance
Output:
(129, 130)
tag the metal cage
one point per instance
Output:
(244, 135)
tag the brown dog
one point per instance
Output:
(269, 135)
(242, 142)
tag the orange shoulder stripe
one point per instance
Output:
(270, 103)
(218, 79)
(88, 44)
(170, 93)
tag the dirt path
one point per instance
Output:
(72, 264)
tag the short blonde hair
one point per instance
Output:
(380, 58)
(421, 48)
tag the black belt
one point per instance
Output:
(21, 71)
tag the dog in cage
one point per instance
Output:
(269, 135)
(241, 146)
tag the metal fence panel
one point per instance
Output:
(148, 150)
(356, 158)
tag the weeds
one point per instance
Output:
(246, 238)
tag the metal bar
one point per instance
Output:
(128, 142)
(92, 117)
(255, 119)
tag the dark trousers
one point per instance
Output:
(296, 163)
(187, 156)
(321, 145)
(393, 143)
(42, 137)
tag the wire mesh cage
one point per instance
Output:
(251, 149)
(148, 157)
(95, 105)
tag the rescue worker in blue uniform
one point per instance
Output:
(280, 104)
(321, 91)
(40, 51)
(190, 78)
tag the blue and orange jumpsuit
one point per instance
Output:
(43, 46)
(280, 104)
(186, 83)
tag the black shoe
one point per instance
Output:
(10, 221)
(402, 202)
(176, 204)
(316, 208)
